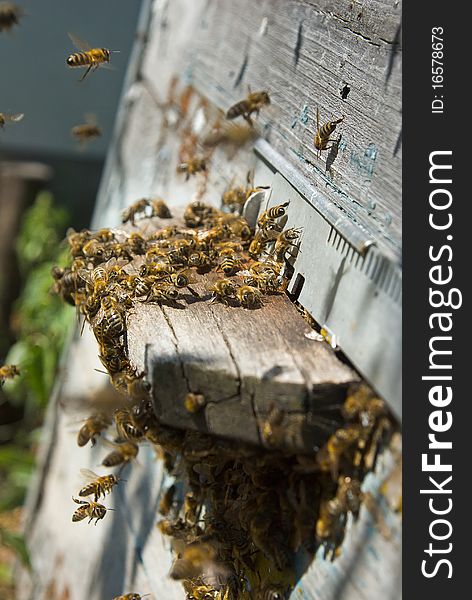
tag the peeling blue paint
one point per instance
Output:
(364, 164)
(187, 76)
(301, 118)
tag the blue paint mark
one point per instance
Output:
(187, 77)
(373, 551)
(342, 146)
(388, 219)
(302, 117)
(365, 164)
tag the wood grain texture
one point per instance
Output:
(305, 54)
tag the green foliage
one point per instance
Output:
(16, 542)
(40, 233)
(41, 322)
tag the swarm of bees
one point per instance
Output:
(238, 515)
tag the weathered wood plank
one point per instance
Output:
(346, 43)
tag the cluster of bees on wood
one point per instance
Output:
(237, 515)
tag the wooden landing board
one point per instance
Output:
(244, 361)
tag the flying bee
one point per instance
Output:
(194, 165)
(121, 453)
(194, 402)
(267, 219)
(249, 297)
(223, 290)
(284, 242)
(92, 427)
(8, 372)
(159, 209)
(252, 103)
(129, 214)
(86, 132)
(10, 118)
(89, 57)
(98, 486)
(195, 559)
(322, 133)
(10, 15)
(165, 503)
(89, 509)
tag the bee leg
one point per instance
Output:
(86, 73)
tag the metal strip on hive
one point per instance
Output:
(351, 288)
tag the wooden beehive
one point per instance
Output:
(341, 58)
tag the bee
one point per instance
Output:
(111, 317)
(137, 243)
(92, 427)
(131, 596)
(331, 520)
(195, 558)
(262, 238)
(272, 430)
(266, 282)
(181, 280)
(223, 290)
(285, 241)
(125, 425)
(8, 372)
(93, 249)
(200, 260)
(233, 135)
(196, 213)
(252, 103)
(129, 214)
(98, 486)
(329, 456)
(122, 453)
(10, 118)
(192, 166)
(235, 198)
(267, 219)
(230, 265)
(89, 509)
(10, 15)
(89, 57)
(159, 209)
(249, 297)
(194, 402)
(85, 132)
(322, 133)
(165, 503)
(162, 294)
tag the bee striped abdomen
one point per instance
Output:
(237, 109)
(79, 59)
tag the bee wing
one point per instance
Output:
(98, 318)
(109, 444)
(88, 475)
(14, 118)
(78, 43)
(85, 275)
